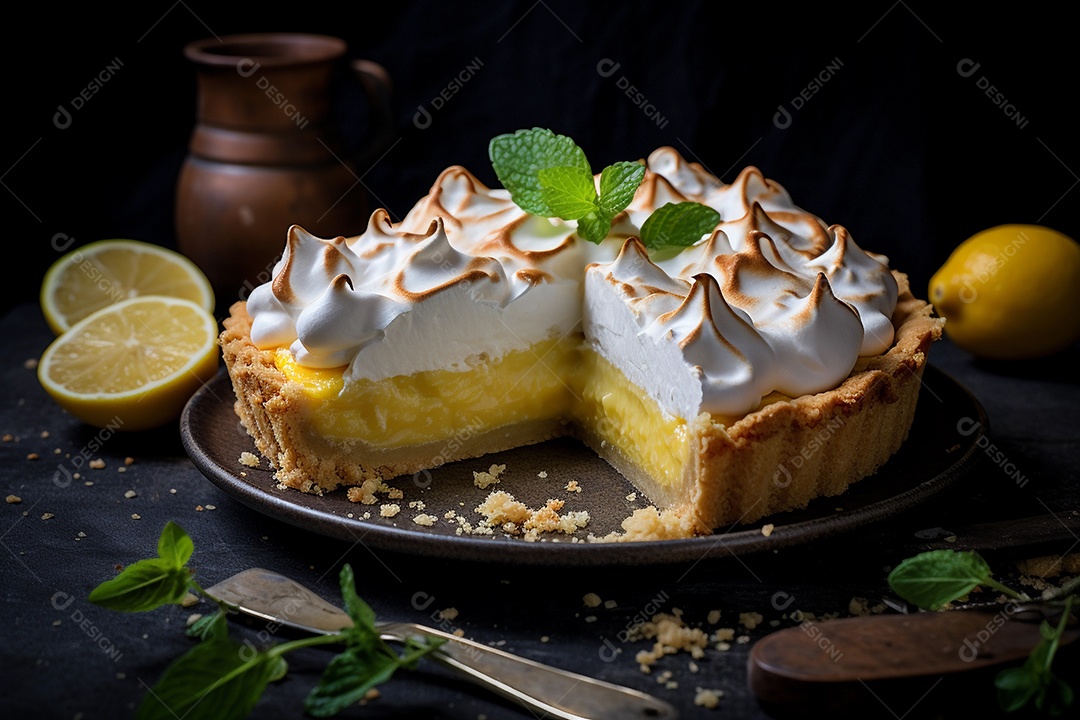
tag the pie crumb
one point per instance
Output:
(767, 529)
(389, 510)
(12, 499)
(591, 600)
(750, 620)
(708, 698)
(425, 519)
(484, 480)
(573, 486)
(249, 459)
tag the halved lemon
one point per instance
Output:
(134, 364)
(107, 271)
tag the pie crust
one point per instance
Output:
(775, 459)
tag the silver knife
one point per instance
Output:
(541, 688)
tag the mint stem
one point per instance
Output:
(312, 641)
(1065, 590)
(1008, 591)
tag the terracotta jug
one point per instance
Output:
(265, 153)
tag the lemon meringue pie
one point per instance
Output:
(770, 363)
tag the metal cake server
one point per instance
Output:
(541, 688)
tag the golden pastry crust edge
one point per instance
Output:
(776, 459)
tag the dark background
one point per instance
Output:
(897, 145)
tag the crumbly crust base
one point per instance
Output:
(776, 459)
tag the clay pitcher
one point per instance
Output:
(265, 153)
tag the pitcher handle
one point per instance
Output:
(378, 87)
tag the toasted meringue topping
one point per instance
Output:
(772, 300)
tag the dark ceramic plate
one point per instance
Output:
(942, 446)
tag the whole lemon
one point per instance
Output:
(1011, 292)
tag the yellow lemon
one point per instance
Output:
(1011, 292)
(134, 364)
(108, 271)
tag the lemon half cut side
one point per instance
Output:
(107, 271)
(132, 365)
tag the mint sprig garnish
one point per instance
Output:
(678, 225)
(548, 175)
(519, 158)
(221, 678)
(933, 579)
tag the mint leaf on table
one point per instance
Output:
(1033, 681)
(218, 679)
(936, 578)
(347, 679)
(367, 660)
(548, 175)
(223, 679)
(175, 546)
(153, 582)
(362, 632)
(678, 225)
(208, 626)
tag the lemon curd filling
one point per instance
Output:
(555, 380)
(436, 405)
(615, 411)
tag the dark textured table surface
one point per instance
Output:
(64, 657)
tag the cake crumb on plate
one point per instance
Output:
(484, 480)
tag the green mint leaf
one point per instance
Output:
(219, 679)
(144, 585)
(935, 578)
(214, 625)
(363, 630)
(517, 159)
(595, 226)
(569, 192)
(347, 678)
(175, 546)
(678, 225)
(1015, 687)
(618, 183)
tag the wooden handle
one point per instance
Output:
(835, 663)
